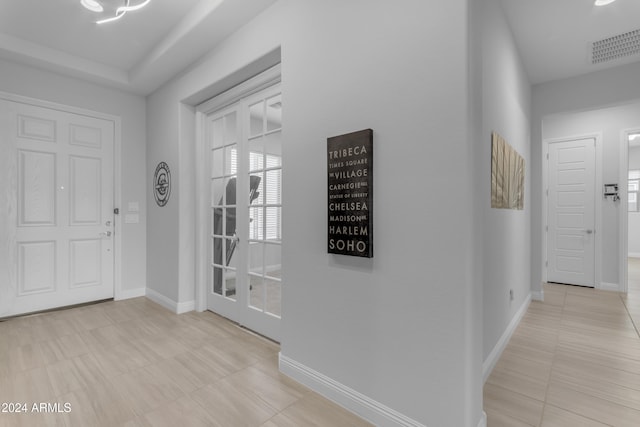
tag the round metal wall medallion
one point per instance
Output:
(162, 184)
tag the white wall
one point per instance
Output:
(403, 328)
(588, 92)
(633, 230)
(610, 122)
(506, 109)
(35, 83)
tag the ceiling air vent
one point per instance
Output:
(616, 47)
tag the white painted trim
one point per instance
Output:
(537, 295)
(117, 171)
(261, 81)
(361, 405)
(185, 306)
(255, 84)
(168, 303)
(494, 356)
(623, 221)
(131, 293)
(614, 287)
(597, 196)
(483, 420)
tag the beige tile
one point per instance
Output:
(31, 386)
(188, 371)
(232, 407)
(556, 417)
(277, 394)
(183, 412)
(495, 418)
(512, 404)
(146, 389)
(314, 410)
(604, 411)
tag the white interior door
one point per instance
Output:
(57, 232)
(571, 212)
(244, 281)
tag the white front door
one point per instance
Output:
(57, 220)
(571, 212)
(245, 164)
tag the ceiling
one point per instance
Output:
(554, 36)
(145, 48)
(137, 53)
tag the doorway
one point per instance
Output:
(243, 219)
(58, 228)
(630, 210)
(571, 212)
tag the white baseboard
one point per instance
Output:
(130, 293)
(495, 354)
(359, 404)
(609, 287)
(185, 307)
(538, 295)
(634, 255)
(168, 303)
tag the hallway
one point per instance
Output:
(574, 360)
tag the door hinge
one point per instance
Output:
(116, 211)
(547, 192)
(547, 156)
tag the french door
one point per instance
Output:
(56, 174)
(245, 216)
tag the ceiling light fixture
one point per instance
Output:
(96, 6)
(92, 5)
(603, 2)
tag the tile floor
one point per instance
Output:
(574, 360)
(132, 363)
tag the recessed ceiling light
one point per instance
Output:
(603, 2)
(92, 5)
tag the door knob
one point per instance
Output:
(106, 234)
(588, 231)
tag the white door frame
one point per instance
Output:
(255, 84)
(598, 203)
(623, 222)
(117, 182)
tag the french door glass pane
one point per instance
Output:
(217, 159)
(256, 298)
(230, 284)
(256, 119)
(256, 224)
(273, 223)
(231, 128)
(274, 113)
(217, 133)
(217, 280)
(217, 193)
(274, 293)
(273, 149)
(274, 187)
(256, 154)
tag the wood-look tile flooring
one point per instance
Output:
(574, 360)
(133, 363)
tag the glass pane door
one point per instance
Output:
(246, 212)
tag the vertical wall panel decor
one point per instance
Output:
(507, 175)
